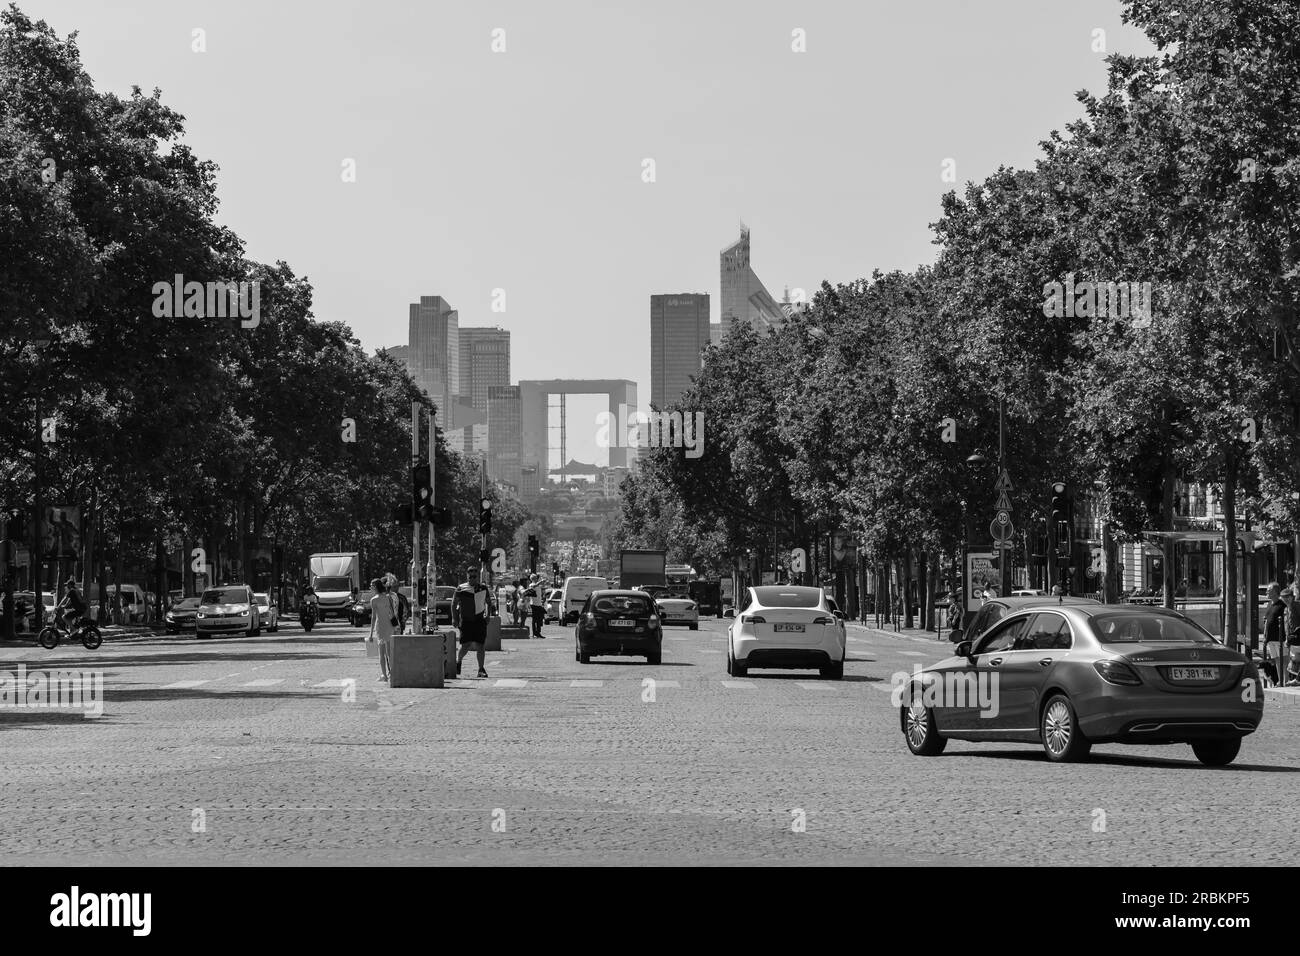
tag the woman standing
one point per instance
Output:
(383, 617)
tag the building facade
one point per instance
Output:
(433, 357)
(484, 364)
(679, 332)
(744, 297)
(505, 426)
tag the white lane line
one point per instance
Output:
(265, 682)
(586, 683)
(738, 685)
(912, 653)
(709, 650)
(182, 685)
(813, 685)
(510, 682)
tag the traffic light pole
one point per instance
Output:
(431, 571)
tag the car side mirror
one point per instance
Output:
(839, 615)
(956, 635)
(729, 612)
(964, 649)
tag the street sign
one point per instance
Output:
(1004, 517)
(1001, 532)
(1003, 482)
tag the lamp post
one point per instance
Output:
(1003, 502)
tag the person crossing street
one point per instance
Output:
(537, 601)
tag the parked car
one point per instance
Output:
(227, 609)
(618, 622)
(1067, 676)
(554, 597)
(785, 626)
(267, 613)
(679, 610)
(182, 615)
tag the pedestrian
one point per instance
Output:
(470, 615)
(1274, 630)
(403, 604)
(383, 625)
(1293, 637)
(537, 602)
(954, 610)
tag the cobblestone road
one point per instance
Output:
(263, 751)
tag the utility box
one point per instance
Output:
(417, 661)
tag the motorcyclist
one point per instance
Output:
(73, 607)
(309, 597)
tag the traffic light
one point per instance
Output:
(422, 491)
(422, 592)
(533, 550)
(1062, 520)
(485, 516)
(400, 515)
(441, 517)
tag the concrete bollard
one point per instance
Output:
(450, 636)
(493, 642)
(417, 661)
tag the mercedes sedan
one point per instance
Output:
(787, 627)
(1069, 676)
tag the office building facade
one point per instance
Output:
(484, 364)
(433, 357)
(505, 428)
(679, 331)
(744, 297)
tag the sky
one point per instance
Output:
(524, 170)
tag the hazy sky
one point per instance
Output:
(522, 170)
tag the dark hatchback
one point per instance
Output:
(618, 623)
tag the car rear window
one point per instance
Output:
(622, 604)
(1147, 629)
(788, 597)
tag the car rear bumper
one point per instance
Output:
(597, 643)
(1173, 724)
(765, 652)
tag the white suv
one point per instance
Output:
(787, 627)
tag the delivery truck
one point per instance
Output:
(640, 568)
(335, 577)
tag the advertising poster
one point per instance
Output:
(981, 572)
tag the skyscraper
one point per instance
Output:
(679, 329)
(505, 433)
(484, 363)
(434, 357)
(744, 297)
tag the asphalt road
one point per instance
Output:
(287, 749)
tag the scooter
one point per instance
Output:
(307, 616)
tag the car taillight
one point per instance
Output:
(1117, 672)
(653, 622)
(591, 618)
(823, 620)
(752, 619)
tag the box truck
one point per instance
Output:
(335, 577)
(641, 568)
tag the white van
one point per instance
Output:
(575, 594)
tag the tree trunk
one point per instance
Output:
(907, 588)
(1230, 551)
(119, 609)
(1167, 524)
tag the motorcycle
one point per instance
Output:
(87, 632)
(307, 616)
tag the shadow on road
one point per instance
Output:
(1121, 760)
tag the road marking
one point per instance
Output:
(510, 682)
(265, 682)
(912, 653)
(336, 682)
(586, 683)
(709, 650)
(813, 685)
(738, 685)
(183, 685)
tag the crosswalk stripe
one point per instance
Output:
(738, 685)
(813, 685)
(183, 685)
(510, 682)
(265, 682)
(586, 683)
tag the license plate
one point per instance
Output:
(1193, 673)
(787, 628)
(622, 623)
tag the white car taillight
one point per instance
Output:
(824, 620)
(752, 619)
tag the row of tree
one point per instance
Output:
(165, 423)
(1184, 175)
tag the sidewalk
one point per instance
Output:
(903, 633)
